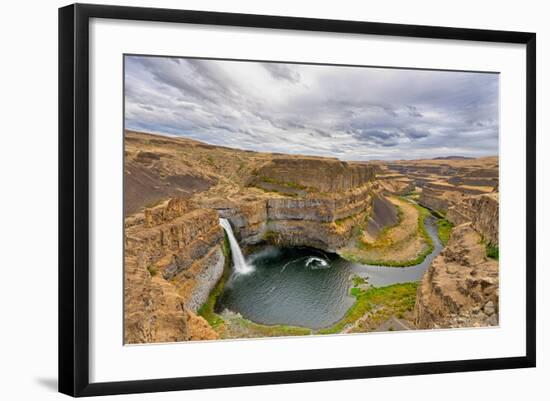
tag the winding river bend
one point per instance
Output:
(308, 287)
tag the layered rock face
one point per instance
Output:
(173, 259)
(248, 219)
(316, 221)
(321, 174)
(154, 311)
(460, 288)
(482, 211)
(383, 214)
(433, 200)
(441, 196)
(395, 184)
(445, 182)
(470, 173)
(304, 201)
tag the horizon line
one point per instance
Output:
(176, 136)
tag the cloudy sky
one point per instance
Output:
(353, 113)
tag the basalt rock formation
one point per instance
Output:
(321, 174)
(319, 221)
(482, 211)
(394, 183)
(463, 189)
(383, 214)
(433, 199)
(460, 288)
(443, 182)
(173, 259)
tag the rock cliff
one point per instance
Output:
(321, 174)
(460, 288)
(383, 214)
(154, 311)
(444, 182)
(173, 259)
(433, 200)
(316, 220)
(482, 211)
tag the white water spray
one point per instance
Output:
(317, 263)
(240, 265)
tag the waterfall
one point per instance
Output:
(240, 265)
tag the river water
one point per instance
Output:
(308, 287)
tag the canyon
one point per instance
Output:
(177, 255)
(460, 288)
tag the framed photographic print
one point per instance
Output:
(250, 199)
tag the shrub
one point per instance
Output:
(152, 270)
(444, 228)
(492, 251)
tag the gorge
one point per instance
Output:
(226, 243)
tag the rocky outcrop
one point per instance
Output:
(399, 185)
(482, 211)
(320, 174)
(466, 172)
(324, 222)
(445, 182)
(320, 209)
(383, 214)
(460, 288)
(172, 246)
(173, 259)
(462, 189)
(328, 237)
(433, 200)
(154, 311)
(248, 219)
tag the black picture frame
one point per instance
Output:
(74, 198)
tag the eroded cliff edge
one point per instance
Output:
(173, 259)
(460, 288)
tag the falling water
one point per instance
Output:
(240, 265)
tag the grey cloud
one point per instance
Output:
(413, 112)
(350, 113)
(376, 137)
(282, 71)
(322, 132)
(413, 133)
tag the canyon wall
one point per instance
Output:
(304, 201)
(316, 221)
(173, 259)
(460, 288)
(383, 214)
(433, 200)
(321, 174)
(154, 311)
(248, 219)
(482, 211)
